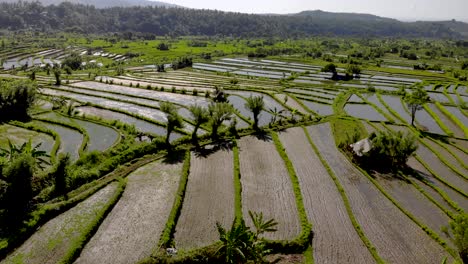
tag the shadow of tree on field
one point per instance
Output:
(264, 136)
(207, 150)
(174, 157)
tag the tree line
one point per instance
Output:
(184, 22)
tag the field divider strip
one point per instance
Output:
(237, 185)
(430, 198)
(40, 129)
(452, 118)
(440, 178)
(78, 128)
(432, 186)
(425, 228)
(166, 239)
(438, 121)
(391, 110)
(75, 251)
(386, 115)
(444, 160)
(349, 210)
(459, 160)
(306, 233)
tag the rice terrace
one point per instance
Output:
(137, 147)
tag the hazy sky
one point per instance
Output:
(401, 9)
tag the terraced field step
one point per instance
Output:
(131, 231)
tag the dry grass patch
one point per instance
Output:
(267, 188)
(132, 229)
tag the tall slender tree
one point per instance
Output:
(173, 119)
(416, 101)
(200, 116)
(219, 112)
(256, 105)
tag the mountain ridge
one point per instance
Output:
(159, 20)
(101, 3)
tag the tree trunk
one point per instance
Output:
(255, 126)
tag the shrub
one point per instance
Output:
(390, 149)
(16, 98)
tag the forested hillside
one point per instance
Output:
(181, 21)
(100, 3)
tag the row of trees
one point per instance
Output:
(190, 22)
(215, 115)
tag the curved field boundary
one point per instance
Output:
(335, 239)
(77, 128)
(41, 129)
(61, 238)
(266, 187)
(209, 199)
(396, 238)
(291, 102)
(133, 227)
(71, 139)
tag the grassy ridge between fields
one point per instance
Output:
(40, 129)
(349, 210)
(306, 234)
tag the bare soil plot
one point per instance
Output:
(209, 199)
(396, 238)
(55, 238)
(335, 239)
(131, 231)
(267, 188)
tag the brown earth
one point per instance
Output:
(54, 239)
(335, 239)
(209, 198)
(131, 231)
(396, 238)
(267, 188)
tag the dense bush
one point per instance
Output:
(16, 98)
(73, 61)
(389, 150)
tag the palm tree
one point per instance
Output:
(256, 105)
(219, 112)
(235, 242)
(14, 151)
(200, 117)
(173, 119)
